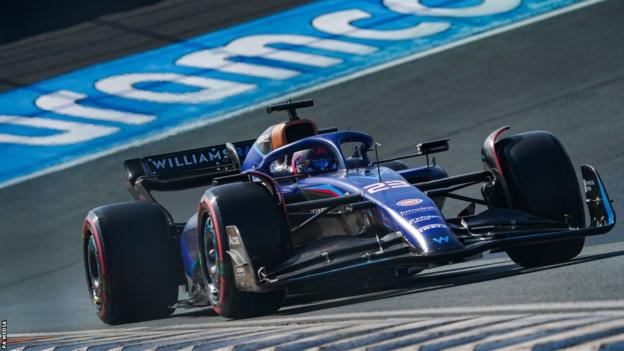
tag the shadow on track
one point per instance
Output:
(421, 283)
(443, 279)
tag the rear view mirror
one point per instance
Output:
(432, 147)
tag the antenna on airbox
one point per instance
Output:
(291, 107)
(377, 145)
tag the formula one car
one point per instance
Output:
(300, 207)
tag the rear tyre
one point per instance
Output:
(131, 263)
(262, 226)
(542, 182)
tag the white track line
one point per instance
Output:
(365, 72)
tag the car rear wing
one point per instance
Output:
(184, 169)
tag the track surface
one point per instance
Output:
(474, 328)
(564, 75)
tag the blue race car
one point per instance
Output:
(300, 207)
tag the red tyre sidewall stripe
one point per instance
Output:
(496, 158)
(493, 140)
(217, 226)
(93, 228)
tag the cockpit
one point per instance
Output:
(296, 147)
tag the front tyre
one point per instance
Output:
(542, 182)
(261, 225)
(131, 264)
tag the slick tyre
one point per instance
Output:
(131, 263)
(542, 182)
(261, 224)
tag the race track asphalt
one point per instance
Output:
(564, 75)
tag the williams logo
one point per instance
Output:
(213, 156)
(441, 239)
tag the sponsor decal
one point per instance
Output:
(318, 210)
(432, 226)
(409, 202)
(192, 159)
(233, 240)
(417, 210)
(423, 219)
(131, 100)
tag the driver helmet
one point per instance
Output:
(318, 159)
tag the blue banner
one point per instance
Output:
(117, 103)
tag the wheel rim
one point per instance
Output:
(95, 273)
(212, 260)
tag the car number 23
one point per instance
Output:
(383, 186)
